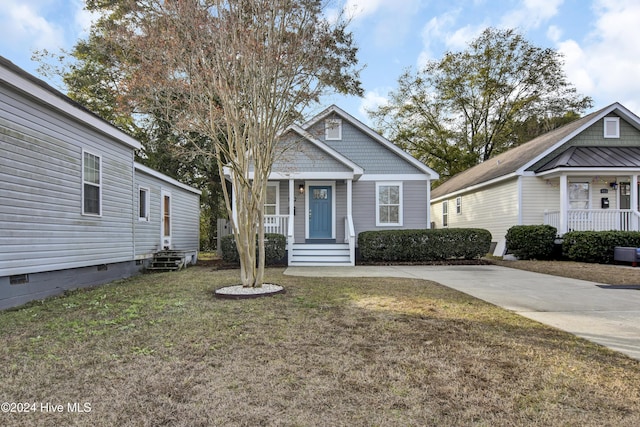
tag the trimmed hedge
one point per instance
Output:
(531, 241)
(423, 245)
(597, 246)
(274, 247)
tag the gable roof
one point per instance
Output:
(33, 87)
(333, 109)
(517, 160)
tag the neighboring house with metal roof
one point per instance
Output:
(336, 179)
(75, 208)
(581, 176)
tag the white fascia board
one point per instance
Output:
(376, 136)
(165, 178)
(394, 177)
(56, 101)
(474, 187)
(628, 115)
(586, 171)
(309, 175)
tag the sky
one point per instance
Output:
(599, 39)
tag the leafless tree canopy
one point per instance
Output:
(237, 72)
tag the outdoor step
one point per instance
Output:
(322, 259)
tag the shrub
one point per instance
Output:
(597, 246)
(423, 245)
(274, 247)
(531, 241)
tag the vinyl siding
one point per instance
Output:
(41, 223)
(414, 208)
(538, 195)
(494, 208)
(185, 217)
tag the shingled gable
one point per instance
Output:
(308, 137)
(516, 161)
(335, 110)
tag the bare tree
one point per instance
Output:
(238, 72)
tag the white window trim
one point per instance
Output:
(459, 205)
(445, 213)
(615, 120)
(400, 206)
(277, 186)
(337, 122)
(99, 185)
(589, 189)
(147, 200)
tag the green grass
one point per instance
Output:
(161, 350)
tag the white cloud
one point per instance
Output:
(28, 27)
(531, 14)
(607, 64)
(83, 18)
(439, 31)
(554, 33)
(360, 8)
(371, 101)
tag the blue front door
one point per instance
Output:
(320, 212)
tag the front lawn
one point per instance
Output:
(160, 350)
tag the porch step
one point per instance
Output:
(166, 261)
(318, 254)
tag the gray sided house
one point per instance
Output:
(336, 179)
(582, 176)
(75, 209)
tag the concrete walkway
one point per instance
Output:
(607, 316)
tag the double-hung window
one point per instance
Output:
(389, 203)
(91, 184)
(579, 195)
(271, 201)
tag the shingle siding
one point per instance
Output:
(361, 149)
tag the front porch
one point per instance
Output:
(595, 203)
(314, 252)
(595, 220)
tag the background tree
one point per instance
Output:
(237, 73)
(471, 105)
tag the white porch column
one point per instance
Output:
(564, 204)
(634, 201)
(292, 198)
(349, 196)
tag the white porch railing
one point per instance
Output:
(277, 224)
(596, 219)
(350, 238)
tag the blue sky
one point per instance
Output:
(600, 39)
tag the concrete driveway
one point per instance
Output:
(606, 315)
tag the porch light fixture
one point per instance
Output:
(301, 188)
(613, 185)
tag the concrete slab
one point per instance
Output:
(607, 316)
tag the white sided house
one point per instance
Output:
(581, 176)
(75, 209)
(336, 179)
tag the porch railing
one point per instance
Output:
(596, 219)
(277, 224)
(350, 238)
